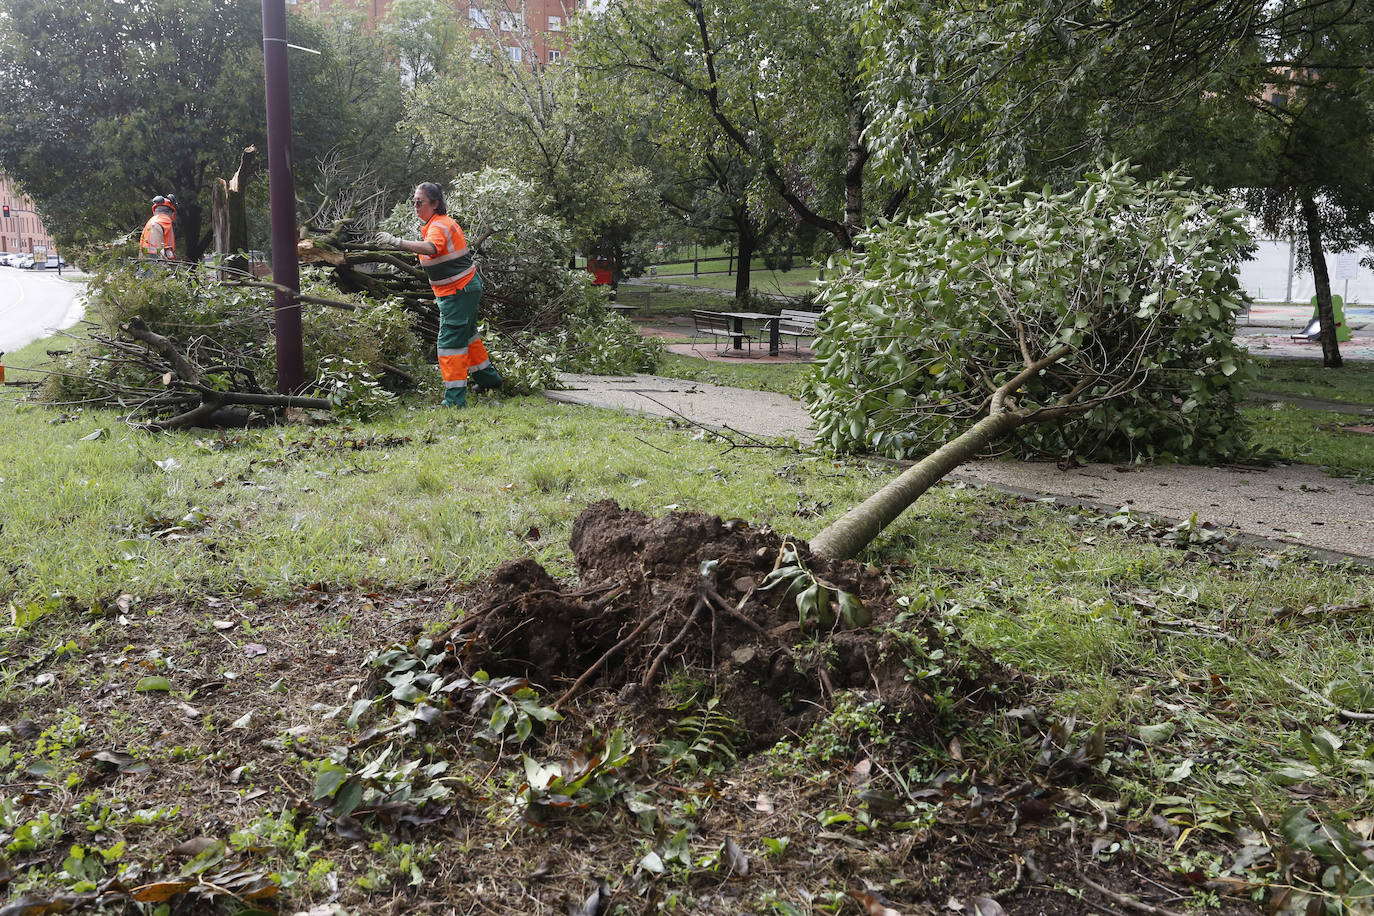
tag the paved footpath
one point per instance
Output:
(1292, 505)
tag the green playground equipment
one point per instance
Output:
(1313, 331)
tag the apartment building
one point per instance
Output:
(22, 230)
(528, 30)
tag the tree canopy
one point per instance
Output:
(111, 103)
(774, 81)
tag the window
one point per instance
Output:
(510, 22)
(513, 54)
(478, 18)
(555, 55)
(555, 23)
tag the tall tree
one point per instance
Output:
(776, 80)
(496, 104)
(1041, 88)
(116, 101)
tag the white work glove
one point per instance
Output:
(387, 239)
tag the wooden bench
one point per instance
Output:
(797, 323)
(717, 326)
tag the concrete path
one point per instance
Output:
(1294, 505)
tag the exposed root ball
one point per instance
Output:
(685, 593)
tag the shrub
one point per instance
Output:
(226, 333)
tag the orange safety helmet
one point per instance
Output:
(169, 201)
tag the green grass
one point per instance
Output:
(1353, 383)
(682, 302)
(1183, 654)
(783, 378)
(425, 493)
(1299, 435)
(797, 282)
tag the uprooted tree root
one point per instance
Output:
(691, 594)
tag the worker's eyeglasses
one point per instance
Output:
(420, 200)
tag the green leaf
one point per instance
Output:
(1156, 734)
(327, 782)
(348, 798)
(153, 683)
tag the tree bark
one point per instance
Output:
(748, 244)
(238, 209)
(854, 170)
(1326, 315)
(847, 535)
(219, 216)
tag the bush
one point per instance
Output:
(1136, 279)
(226, 333)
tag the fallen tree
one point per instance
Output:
(1096, 322)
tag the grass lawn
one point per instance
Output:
(797, 282)
(249, 640)
(1353, 383)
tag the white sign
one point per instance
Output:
(1347, 266)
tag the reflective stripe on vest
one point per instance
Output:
(455, 264)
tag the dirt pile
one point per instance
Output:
(693, 595)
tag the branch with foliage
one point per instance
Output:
(1096, 322)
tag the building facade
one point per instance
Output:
(528, 31)
(22, 230)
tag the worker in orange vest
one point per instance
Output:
(159, 239)
(447, 260)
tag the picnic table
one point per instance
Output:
(738, 318)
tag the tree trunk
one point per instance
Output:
(238, 210)
(847, 535)
(854, 171)
(1326, 315)
(189, 214)
(748, 244)
(219, 216)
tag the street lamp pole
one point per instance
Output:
(286, 273)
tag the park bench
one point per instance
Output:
(719, 326)
(797, 323)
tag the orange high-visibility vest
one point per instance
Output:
(168, 243)
(451, 266)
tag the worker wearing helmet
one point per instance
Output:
(447, 260)
(159, 237)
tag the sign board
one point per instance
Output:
(1347, 266)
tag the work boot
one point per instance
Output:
(455, 397)
(487, 379)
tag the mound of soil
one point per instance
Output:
(688, 593)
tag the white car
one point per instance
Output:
(24, 262)
(9, 258)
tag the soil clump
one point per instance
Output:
(717, 601)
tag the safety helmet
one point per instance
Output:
(169, 201)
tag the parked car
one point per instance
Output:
(24, 262)
(8, 258)
(53, 262)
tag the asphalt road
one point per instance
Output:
(34, 303)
